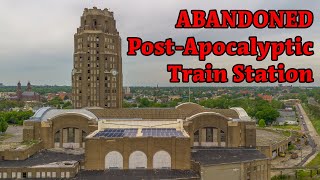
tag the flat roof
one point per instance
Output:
(42, 158)
(139, 132)
(214, 156)
(138, 174)
(140, 123)
(266, 137)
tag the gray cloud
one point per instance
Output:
(37, 37)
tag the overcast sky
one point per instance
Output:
(36, 37)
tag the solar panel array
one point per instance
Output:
(161, 132)
(114, 133)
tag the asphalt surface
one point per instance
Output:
(42, 158)
(311, 132)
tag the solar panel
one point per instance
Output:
(161, 132)
(116, 133)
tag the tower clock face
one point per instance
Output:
(114, 72)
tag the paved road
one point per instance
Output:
(307, 124)
(313, 137)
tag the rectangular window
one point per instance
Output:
(209, 134)
(13, 174)
(71, 135)
(67, 174)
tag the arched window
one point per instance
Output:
(137, 160)
(162, 160)
(114, 160)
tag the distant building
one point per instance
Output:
(265, 97)
(174, 97)
(61, 95)
(127, 92)
(287, 116)
(291, 102)
(27, 95)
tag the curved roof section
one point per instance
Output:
(189, 109)
(39, 113)
(158, 113)
(207, 114)
(243, 116)
(189, 106)
(183, 111)
(44, 114)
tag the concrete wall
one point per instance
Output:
(254, 170)
(225, 172)
(39, 172)
(21, 154)
(96, 149)
(45, 130)
(238, 134)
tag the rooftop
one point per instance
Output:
(43, 158)
(138, 174)
(214, 156)
(266, 137)
(182, 111)
(46, 113)
(141, 132)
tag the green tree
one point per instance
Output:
(268, 114)
(3, 125)
(262, 123)
(67, 105)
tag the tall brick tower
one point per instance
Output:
(97, 70)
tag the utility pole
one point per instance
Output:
(301, 148)
(189, 93)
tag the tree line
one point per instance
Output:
(256, 108)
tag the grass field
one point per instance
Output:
(288, 127)
(315, 120)
(315, 162)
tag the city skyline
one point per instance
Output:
(26, 56)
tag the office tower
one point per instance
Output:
(97, 70)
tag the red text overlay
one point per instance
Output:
(261, 50)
